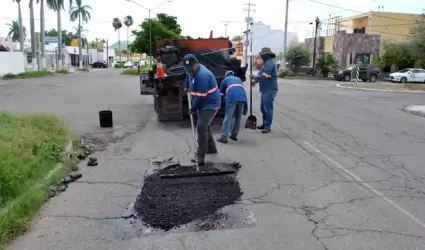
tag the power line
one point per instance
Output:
(356, 11)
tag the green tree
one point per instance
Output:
(21, 26)
(163, 27)
(237, 38)
(117, 24)
(14, 31)
(66, 35)
(128, 21)
(397, 56)
(418, 40)
(297, 55)
(57, 6)
(81, 13)
(326, 64)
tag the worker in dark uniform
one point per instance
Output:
(206, 101)
(236, 104)
(267, 78)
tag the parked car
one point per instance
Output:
(366, 73)
(142, 63)
(408, 75)
(128, 64)
(98, 65)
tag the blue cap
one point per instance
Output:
(229, 73)
(189, 61)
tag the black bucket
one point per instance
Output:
(105, 119)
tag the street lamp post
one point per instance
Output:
(150, 22)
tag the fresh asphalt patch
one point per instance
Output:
(191, 204)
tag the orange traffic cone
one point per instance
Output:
(160, 72)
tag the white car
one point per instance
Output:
(408, 75)
(128, 64)
(142, 63)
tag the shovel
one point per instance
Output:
(251, 121)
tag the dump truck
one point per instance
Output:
(170, 97)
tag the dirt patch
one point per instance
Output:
(169, 203)
(389, 86)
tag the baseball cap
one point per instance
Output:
(189, 61)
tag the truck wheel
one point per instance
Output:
(347, 77)
(373, 78)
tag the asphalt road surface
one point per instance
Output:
(342, 169)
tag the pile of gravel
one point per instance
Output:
(168, 203)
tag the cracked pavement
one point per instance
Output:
(342, 169)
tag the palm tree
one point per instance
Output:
(128, 21)
(42, 35)
(14, 31)
(117, 24)
(32, 31)
(57, 6)
(21, 26)
(81, 13)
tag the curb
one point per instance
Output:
(382, 90)
(418, 113)
(67, 156)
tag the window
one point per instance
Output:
(415, 71)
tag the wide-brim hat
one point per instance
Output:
(266, 51)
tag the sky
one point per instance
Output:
(198, 19)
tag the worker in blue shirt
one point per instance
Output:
(206, 101)
(267, 78)
(236, 103)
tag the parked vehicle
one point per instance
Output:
(142, 63)
(366, 73)
(98, 65)
(128, 64)
(408, 75)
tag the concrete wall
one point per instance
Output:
(11, 62)
(329, 44)
(392, 26)
(320, 46)
(346, 44)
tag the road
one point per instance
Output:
(342, 169)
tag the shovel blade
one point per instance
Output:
(251, 122)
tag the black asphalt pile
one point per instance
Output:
(169, 203)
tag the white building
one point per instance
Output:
(264, 36)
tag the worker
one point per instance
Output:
(187, 81)
(236, 104)
(267, 78)
(206, 101)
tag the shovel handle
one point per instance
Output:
(192, 124)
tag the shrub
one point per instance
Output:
(62, 71)
(118, 66)
(286, 73)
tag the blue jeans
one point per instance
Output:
(266, 107)
(234, 108)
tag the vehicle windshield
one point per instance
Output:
(404, 70)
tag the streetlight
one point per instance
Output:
(150, 23)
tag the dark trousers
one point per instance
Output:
(205, 136)
(267, 101)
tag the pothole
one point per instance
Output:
(189, 204)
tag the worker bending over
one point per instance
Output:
(236, 104)
(267, 78)
(206, 101)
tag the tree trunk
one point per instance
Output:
(119, 43)
(32, 28)
(59, 60)
(21, 29)
(80, 44)
(127, 45)
(42, 36)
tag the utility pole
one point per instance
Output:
(225, 27)
(248, 20)
(317, 25)
(285, 38)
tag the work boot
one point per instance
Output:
(222, 139)
(260, 127)
(266, 131)
(212, 151)
(201, 161)
(233, 137)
